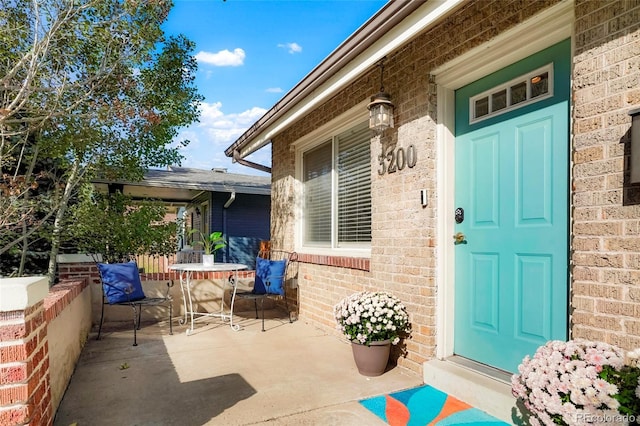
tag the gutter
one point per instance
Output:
(238, 159)
(386, 18)
(231, 199)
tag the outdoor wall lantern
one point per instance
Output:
(380, 107)
(634, 165)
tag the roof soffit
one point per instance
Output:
(394, 25)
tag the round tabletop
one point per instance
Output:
(199, 267)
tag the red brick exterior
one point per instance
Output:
(25, 397)
(71, 271)
(25, 394)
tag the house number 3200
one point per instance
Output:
(398, 159)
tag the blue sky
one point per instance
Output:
(250, 54)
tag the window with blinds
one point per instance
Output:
(317, 165)
(337, 191)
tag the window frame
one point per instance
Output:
(328, 132)
(506, 86)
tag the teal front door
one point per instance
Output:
(511, 199)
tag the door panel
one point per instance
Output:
(484, 185)
(534, 297)
(534, 177)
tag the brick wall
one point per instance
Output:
(403, 247)
(81, 270)
(24, 368)
(25, 376)
(605, 247)
(606, 221)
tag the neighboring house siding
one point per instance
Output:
(606, 228)
(246, 223)
(605, 250)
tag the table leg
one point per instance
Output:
(186, 281)
(183, 275)
(234, 284)
(189, 279)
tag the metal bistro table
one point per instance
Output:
(186, 271)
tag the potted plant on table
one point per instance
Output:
(372, 321)
(210, 244)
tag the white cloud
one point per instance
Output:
(274, 90)
(292, 47)
(214, 133)
(223, 58)
(223, 129)
(210, 112)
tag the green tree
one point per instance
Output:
(94, 84)
(31, 258)
(116, 227)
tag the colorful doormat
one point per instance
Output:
(424, 406)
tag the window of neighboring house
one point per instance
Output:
(200, 221)
(337, 191)
(205, 220)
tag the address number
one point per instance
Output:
(398, 159)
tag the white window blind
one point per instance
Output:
(337, 191)
(354, 187)
(317, 195)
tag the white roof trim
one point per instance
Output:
(425, 16)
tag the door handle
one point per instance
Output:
(459, 238)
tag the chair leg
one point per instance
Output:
(255, 305)
(135, 324)
(262, 307)
(286, 305)
(101, 321)
(139, 315)
(170, 318)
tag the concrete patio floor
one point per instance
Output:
(292, 374)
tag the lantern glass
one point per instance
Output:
(380, 114)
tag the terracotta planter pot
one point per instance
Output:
(371, 360)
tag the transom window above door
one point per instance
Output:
(524, 90)
(336, 177)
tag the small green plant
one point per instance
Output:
(124, 366)
(210, 243)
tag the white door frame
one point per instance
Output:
(543, 30)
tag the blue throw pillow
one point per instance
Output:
(121, 282)
(271, 272)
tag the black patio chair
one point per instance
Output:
(121, 286)
(271, 279)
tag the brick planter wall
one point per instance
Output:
(24, 368)
(25, 391)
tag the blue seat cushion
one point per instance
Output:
(121, 282)
(269, 272)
